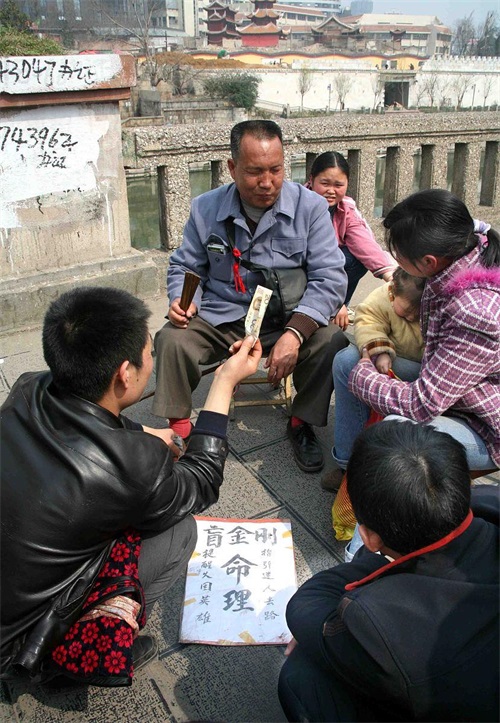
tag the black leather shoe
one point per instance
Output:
(306, 448)
(144, 649)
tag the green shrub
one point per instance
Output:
(16, 42)
(240, 89)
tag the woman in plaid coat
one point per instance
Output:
(457, 389)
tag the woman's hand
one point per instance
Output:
(365, 356)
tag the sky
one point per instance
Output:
(448, 11)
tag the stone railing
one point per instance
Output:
(401, 135)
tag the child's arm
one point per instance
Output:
(372, 325)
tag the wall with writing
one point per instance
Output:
(51, 74)
(63, 199)
(63, 207)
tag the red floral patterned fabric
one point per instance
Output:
(99, 651)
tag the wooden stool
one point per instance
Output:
(285, 398)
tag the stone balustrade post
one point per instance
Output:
(490, 186)
(439, 165)
(365, 175)
(175, 201)
(466, 171)
(398, 175)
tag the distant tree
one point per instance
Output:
(137, 26)
(488, 35)
(239, 89)
(487, 86)
(420, 92)
(342, 84)
(464, 35)
(431, 87)
(305, 80)
(378, 85)
(11, 16)
(442, 87)
(15, 42)
(459, 86)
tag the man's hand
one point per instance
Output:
(342, 318)
(383, 363)
(243, 363)
(282, 358)
(181, 318)
(167, 436)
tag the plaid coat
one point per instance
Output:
(460, 372)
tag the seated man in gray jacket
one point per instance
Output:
(263, 221)
(77, 474)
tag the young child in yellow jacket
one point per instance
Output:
(387, 321)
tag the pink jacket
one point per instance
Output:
(353, 231)
(460, 372)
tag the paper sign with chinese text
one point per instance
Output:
(239, 581)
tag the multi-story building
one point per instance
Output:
(115, 23)
(358, 7)
(328, 7)
(424, 34)
(418, 34)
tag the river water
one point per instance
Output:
(142, 194)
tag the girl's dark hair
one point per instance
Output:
(408, 286)
(329, 159)
(438, 223)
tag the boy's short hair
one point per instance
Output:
(88, 333)
(408, 483)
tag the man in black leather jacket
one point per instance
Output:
(76, 473)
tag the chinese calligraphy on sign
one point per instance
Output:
(239, 581)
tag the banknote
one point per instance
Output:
(256, 311)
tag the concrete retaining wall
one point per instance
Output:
(64, 210)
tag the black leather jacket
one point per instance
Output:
(74, 476)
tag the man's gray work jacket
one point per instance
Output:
(296, 231)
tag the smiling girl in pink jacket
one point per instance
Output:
(329, 178)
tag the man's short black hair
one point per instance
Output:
(88, 333)
(408, 483)
(260, 129)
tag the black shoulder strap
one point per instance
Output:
(229, 224)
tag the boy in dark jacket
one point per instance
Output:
(76, 474)
(410, 633)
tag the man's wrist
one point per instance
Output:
(296, 334)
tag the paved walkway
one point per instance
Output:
(197, 682)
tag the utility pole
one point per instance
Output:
(329, 95)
